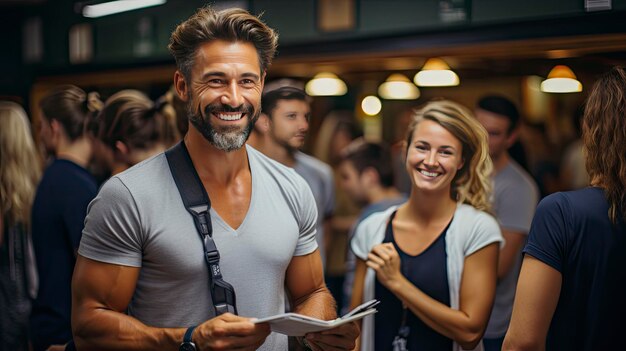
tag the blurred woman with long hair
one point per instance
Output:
(20, 170)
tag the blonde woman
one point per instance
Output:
(432, 261)
(20, 170)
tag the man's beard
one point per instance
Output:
(227, 138)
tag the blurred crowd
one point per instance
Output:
(49, 176)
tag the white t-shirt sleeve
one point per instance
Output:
(360, 243)
(369, 232)
(307, 221)
(484, 231)
(113, 228)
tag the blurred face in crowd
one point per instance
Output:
(497, 127)
(434, 156)
(289, 122)
(351, 181)
(224, 92)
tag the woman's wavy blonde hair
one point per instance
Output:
(472, 183)
(604, 139)
(20, 166)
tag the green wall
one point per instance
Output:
(485, 11)
(117, 37)
(294, 20)
(393, 16)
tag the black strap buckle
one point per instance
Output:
(213, 257)
(202, 217)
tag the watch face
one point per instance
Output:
(187, 346)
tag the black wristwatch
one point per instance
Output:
(187, 344)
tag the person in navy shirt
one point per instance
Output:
(570, 294)
(59, 211)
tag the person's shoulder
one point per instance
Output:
(265, 161)
(470, 215)
(467, 210)
(472, 229)
(311, 161)
(370, 231)
(312, 164)
(576, 201)
(145, 170)
(147, 176)
(46, 176)
(63, 168)
(283, 175)
(520, 178)
(377, 218)
(594, 194)
(65, 173)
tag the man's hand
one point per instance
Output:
(341, 338)
(56, 348)
(228, 332)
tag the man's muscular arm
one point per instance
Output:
(100, 295)
(305, 282)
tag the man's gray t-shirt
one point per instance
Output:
(138, 219)
(515, 199)
(320, 178)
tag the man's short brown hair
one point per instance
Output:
(230, 25)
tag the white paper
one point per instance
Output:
(294, 324)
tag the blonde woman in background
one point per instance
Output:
(20, 170)
(432, 260)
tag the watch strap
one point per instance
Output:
(188, 334)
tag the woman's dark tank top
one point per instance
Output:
(428, 272)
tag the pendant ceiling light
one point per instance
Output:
(398, 87)
(436, 73)
(561, 79)
(326, 84)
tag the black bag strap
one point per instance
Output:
(198, 204)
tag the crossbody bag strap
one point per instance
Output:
(198, 204)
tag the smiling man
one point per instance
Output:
(141, 280)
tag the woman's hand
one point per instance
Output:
(384, 259)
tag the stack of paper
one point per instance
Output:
(294, 324)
